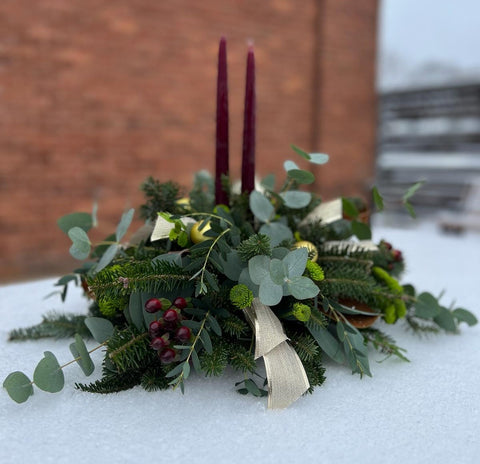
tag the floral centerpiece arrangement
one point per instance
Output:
(221, 279)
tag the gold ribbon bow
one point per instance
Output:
(287, 379)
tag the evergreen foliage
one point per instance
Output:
(53, 325)
(141, 276)
(257, 244)
(159, 197)
(214, 363)
(112, 382)
(128, 349)
(384, 343)
(234, 326)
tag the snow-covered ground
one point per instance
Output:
(423, 411)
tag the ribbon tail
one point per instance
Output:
(287, 379)
(286, 376)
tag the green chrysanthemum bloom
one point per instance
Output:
(241, 296)
(107, 308)
(110, 307)
(315, 271)
(302, 312)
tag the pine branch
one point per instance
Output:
(315, 372)
(154, 379)
(420, 326)
(160, 197)
(384, 343)
(144, 276)
(112, 382)
(53, 325)
(129, 350)
(305, 346)
(233, 325)
(362, 289)
(214, 363)
(241, 358)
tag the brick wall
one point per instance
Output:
(97, 95)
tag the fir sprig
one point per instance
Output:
(53, 325)
(384, 344)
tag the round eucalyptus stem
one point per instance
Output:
(79, 357)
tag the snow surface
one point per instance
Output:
(424, 411)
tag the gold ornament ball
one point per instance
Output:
(185, 202)
(311, 248)
(197, 235)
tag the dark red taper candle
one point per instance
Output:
(248, 153)
(221, 147)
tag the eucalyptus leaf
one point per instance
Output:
(270, 293)
(175, 258)
(426, 306)
(107, 257)
(135, 309)
(82, 356)
(319, 158)
(245, 279)
(280, 252)
(195, 361)
(48, 376)
(295, 262)
(277, 271)
(290, 165)
(340, 331)
(361, 230)
(302, 288)
(300, 152)
(101, 329)
(377, 199)
(83, 220)
(186, 370)
(94, 215)
(445, 320)
(175, 371)
(462, 315)
(277, 232)
(296, 199)
(215, 326)
(261, 207)
(81, 245)
(124, 224)
(259, 268)
(328, 343)
(412, 190)
(18, 386)
(206, 341)
(349, 208)
(232, 265)
(195, 325)
(268, 182)
(410, 209)
(301, 176)
(252, 387)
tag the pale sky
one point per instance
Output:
(421, 31)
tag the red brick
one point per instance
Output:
(97, 95)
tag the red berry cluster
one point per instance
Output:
(395, 255)
(167, 327)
